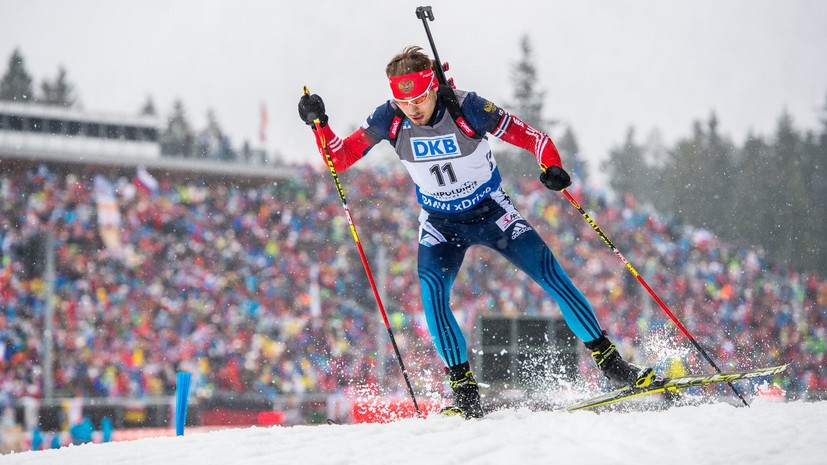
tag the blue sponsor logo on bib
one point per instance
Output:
(435, 147)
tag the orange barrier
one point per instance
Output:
(270, 418)
(388, 410)
(227, 417)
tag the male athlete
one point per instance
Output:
(440, 135)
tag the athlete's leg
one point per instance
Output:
(521, 245)
(524, 247)
(439, 259)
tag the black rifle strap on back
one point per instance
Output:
(451, 102)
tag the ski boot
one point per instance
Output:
(619, 372)
(467, 402)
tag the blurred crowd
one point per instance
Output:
(258, 287)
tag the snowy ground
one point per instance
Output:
(767, 433)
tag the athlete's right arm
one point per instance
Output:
(344, 153)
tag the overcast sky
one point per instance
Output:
(605, 65)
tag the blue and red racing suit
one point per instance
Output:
(458, 185)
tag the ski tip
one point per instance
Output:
(667, 385)
(778, 368)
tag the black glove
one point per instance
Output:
(555, 178)
(310, 108)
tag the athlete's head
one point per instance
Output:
(413, 83)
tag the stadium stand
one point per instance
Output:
(247, 277)
(216, 278)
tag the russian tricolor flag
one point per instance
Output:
(145, 182)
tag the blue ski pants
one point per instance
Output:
(494, 223)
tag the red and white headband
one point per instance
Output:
(411, 85)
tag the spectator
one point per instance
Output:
(212, 273)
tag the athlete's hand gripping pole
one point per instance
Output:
(650, 291)
(323, 147)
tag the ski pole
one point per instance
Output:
(650, 291)
(326, 152)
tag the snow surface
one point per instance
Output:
(766, 433)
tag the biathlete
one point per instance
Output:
(440, 136)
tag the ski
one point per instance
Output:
(671, 385)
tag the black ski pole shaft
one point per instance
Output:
(326, 152)
(425, 13)
(650, 291)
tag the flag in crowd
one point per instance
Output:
(109, 215)
(145, 182)
(262, 131)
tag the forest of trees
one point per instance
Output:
(768, 191)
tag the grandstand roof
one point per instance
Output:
(112, 154)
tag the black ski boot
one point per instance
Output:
(619, 372)
(467, 402)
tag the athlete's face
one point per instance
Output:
(419, 112)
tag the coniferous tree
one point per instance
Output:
(814, 187)
(148, 108)
(680, 174)
(626, 166)
(528, 99)
(177, 140)
(816, 154)
(716, 180)
(790, 201)
(778, 198)
(16, 84)
(212, 142)
(528, 106)
(769, 199)
(752, 194)
(60, 92)
(654, 186)
(699, 178)
(572, 160)
(818, 165)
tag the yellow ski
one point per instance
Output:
(673, 385)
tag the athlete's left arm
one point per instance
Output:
(485, 117)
